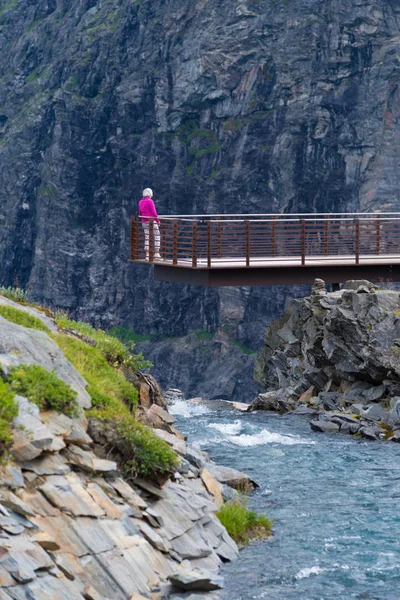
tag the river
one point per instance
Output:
(335, 501)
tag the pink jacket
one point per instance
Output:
(147, 209)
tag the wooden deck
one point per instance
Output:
(239, 250)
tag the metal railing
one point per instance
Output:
(201, 241)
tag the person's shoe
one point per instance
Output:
(158, 256)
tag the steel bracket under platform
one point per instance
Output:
(279, 275)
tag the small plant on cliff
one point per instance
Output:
(16, 294)
(23, 318)
(44, 389)
(140, 451)
(103, 379)
(243, 524)
(8, 410)
(128, 335)
(114, 350)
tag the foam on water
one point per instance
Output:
(227, 428)
(266, 437)
(308, 571)
(185, 409)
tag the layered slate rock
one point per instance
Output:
(72, 529)
(19, 345)
(336, 357)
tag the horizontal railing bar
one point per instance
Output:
(311, 215)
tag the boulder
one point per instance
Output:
(325, 426)
(394, 413)
(371, 433)
(78, 436)
(11, 476)
(276, 401)
(159, 418)
(232, 477)
(318, 287)
(88, 461)
(375, 412)
(373, 394)
(213, 486)
(31, 436)
(174, 441)
(308, 394)
(330, 400)
(356, 284)
(188, 580)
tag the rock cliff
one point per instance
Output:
(336, 358)
(71, 526)
(213, 367)
(249, 106)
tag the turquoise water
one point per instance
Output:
(335, 501)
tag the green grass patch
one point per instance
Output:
(116, 352)
(128, 335)
(104, 380)
(203, 335)
(138, 449)
(245, 349)
(141, 451)
(8, 410)
(243, 524)
(16, 294)
(23, 318)
(44, 389)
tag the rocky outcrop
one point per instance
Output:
(336, 358)
(71, 528)
(212, 366)
(244, 107)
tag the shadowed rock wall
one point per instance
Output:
(248, 106)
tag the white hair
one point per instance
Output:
(148, 193)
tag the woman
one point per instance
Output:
(147, 211)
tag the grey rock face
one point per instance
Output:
(19, 345)
(344, 338)
(233, 108)
(211, 368)
(337, 355)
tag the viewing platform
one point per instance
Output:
(237, 250)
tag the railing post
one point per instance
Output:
(163, 227)
(357, 241)
(194, 244)
(208, 244)
(151, 240)
(247, 243)
(273, 240)
(303, 242)
(134, 238)
(175, 243)
(378, 234)
(326, 236)
(219, 235)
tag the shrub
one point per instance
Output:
(141, 451)
(23, 318)
(104, 380)
(8, 410)
(138, 449)
(114, 350)
(243, 524)
(44, 389)
(203, 335)
(128, 335)
(14, 293)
